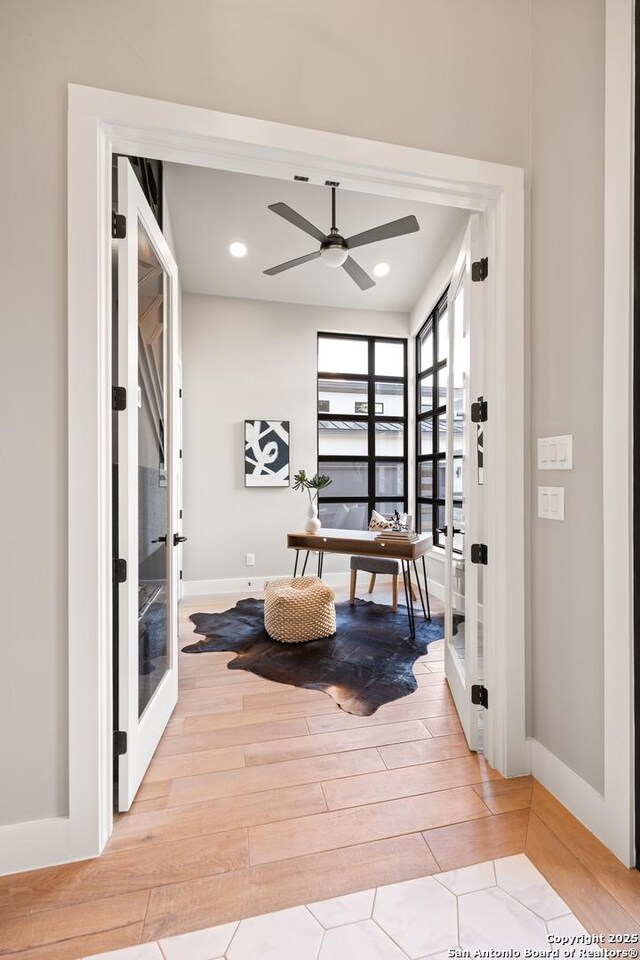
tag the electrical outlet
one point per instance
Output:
(250, 560)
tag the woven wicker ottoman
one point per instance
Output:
(296, 610)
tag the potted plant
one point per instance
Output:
(313, 486)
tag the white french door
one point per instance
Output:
(464, 487)
(148, 459)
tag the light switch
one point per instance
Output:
(555, 453)
(551, 503)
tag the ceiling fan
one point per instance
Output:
(334, 248)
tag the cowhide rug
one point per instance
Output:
(367, 662)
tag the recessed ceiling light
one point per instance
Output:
(237, 249)
(381, 269)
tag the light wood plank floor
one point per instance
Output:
(262, 796)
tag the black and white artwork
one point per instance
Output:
(266, 453)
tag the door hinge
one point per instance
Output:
(181, 454)
(479, 411)
(479, 553)
(119, 742)
(480, 269)
(118, 398)
(119, 570)
(118, 226)
(181, 574)
(480, 695)
(180, 392)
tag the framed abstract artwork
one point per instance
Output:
(266, 453)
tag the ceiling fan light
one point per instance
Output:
(334, 255)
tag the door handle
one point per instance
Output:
(160, 540)
(445, 530)
(178, 539)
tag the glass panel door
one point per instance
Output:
(148, 488)
(462, 513)
(154, 518)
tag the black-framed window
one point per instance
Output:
(432, 370)
(362, 427)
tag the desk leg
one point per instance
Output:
(426, 586)
(320, 564)
(304, 566)
(415, 570)
(406, 577)
(295, 566)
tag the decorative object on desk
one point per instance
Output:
(266, 453)
(365, 664)
(313, 486)
(380, 522)
(398, 536)
(398, 522)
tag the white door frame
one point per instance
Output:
(101, 122)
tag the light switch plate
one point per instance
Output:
(555, 453)
(551, 503)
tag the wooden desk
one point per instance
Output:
(366, 543)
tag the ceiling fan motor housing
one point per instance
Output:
(334, 249)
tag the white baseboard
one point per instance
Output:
(38, 843)
(575, 794)
(198, 588)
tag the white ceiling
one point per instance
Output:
(211, 208)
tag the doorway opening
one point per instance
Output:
(177, 134)
(231, 369)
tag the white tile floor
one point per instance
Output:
(499, 904)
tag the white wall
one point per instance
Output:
(453, 77)
(250, 359)
(566, 377)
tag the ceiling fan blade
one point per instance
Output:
(396, 228)
(356, 273)
(272, 271)
(285, 211)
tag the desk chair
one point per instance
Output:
(388, 567)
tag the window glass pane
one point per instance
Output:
(389, 479)
(342, 396)
(153, 504)
(442, 433)
(343, 516)
(389, 399)
(426, 394)
(343, 438)
(348, 479)
(440, 522)
(442, 479)
(443, 383)
(426, 518)
(338, 355)
(425, 350)
(389, 439)
(443, 337)
(389, 359)
(458, 485)
(458, 523)
(425, 443)
(425, 480)
(460, 372)
(387, 508)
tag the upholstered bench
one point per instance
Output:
(297, 610)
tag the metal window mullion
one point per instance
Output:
(371, 399)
